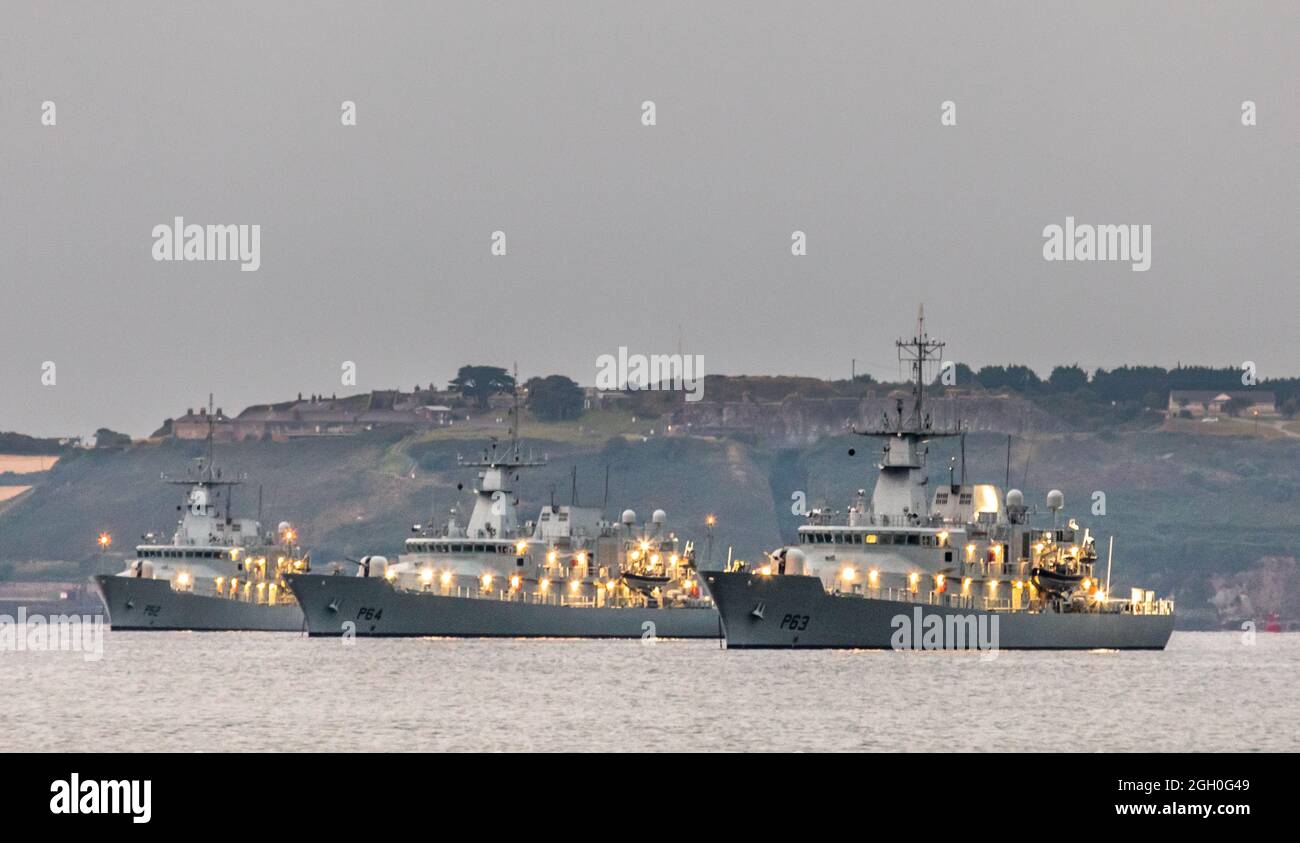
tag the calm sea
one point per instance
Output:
(265, 691)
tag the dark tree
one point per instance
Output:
(1067, 378)
(1235, 406)
(105, 438)
(482, 382)
(1019, 378)
(554, 398)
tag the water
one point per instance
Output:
(267, 691)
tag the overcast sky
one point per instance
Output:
(525, 117)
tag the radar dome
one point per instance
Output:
(629, 517)
(375, 566)
(659, 517)
(1055, 499)
(1015, 498)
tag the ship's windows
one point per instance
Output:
(947, 556)
(927, 540)
(941, 497)
(965, 498)
(872, 538)
(913, 538)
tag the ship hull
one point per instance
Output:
(796, 612)
(142, 603)
(372, 607)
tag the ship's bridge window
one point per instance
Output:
(964, 499)
(940, 497)
(872, 538)
(913, 538)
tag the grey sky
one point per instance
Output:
(525, 117)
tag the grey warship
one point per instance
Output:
(216, 573)
(960, 567)
(569, 574)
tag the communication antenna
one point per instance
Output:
(915, 422)
(211, 424)
(1110, 554)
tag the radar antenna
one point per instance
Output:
(916, 352)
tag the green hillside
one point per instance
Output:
(1182, 507)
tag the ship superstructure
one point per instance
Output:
(215, 572)
(568, 573)
(956, 548)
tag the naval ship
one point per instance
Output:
(569, 574)
(959, 567)
(216, 573)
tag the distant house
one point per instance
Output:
(602, 399)
(1203, 403)
(315, 416)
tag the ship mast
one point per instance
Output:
(494, 505)
(916, 352)
(900, 491)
